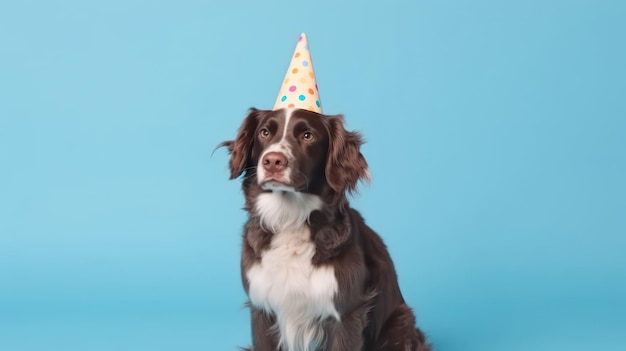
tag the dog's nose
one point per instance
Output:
(274, 162)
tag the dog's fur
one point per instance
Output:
(318, 278)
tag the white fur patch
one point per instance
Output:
(300, 295)
(285, 282)
(285, 209)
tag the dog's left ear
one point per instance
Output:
(345, 165)
(241, 147)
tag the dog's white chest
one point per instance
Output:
(286, 284)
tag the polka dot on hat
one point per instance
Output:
(299, 89)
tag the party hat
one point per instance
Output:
(299, 89)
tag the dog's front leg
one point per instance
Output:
(263, 335)
(347, 334)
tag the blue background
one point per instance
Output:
(496, 141)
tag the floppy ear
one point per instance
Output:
(241, 147)
(345, 165)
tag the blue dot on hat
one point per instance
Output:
(305, 63)
(282, 99)
(317, 102)
(301, 97)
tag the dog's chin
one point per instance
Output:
(275, 185)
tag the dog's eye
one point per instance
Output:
(264, 133)
(307, 136)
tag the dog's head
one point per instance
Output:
(298, 151)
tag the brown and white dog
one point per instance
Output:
(318, 278)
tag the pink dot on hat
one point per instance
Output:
(292, 88)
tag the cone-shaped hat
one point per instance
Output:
(299, 89)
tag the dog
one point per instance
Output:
(317, 277)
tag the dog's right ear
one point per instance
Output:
(345, 165)
(241, 147)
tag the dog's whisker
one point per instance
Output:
(304, 176)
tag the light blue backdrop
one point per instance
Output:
(496, 140)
